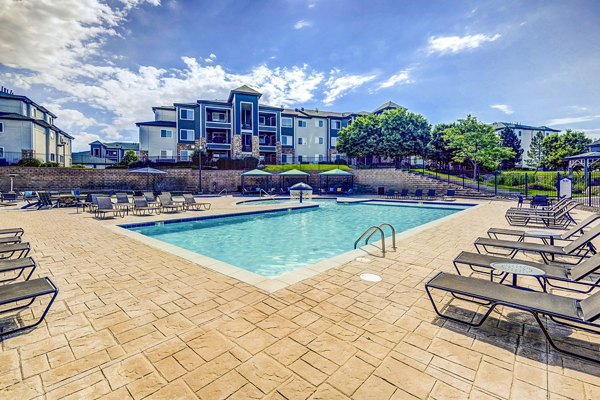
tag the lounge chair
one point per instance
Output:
(418, 194)
(123, 202)
(191, 204)
(167, 205)
(45, 201)
(105, 208)
(12, 232)
(10, 240)
(141, 207)
(176, 202)
(431, 193)
(578, 248)
(539, 200)
(549, 219)
(556, 207)
(565, 311)
(93, 204)
(20, 265)
(582, 277)
(12, 251)
(29, 291)
(497, 233)
(390, 194)
(450, 194)
(150, 198)
(404, 193)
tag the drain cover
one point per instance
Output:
(370, 277)
(363, 259)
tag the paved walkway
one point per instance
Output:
(134, 322)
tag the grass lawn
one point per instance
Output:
(306, 167)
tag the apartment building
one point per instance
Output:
(242, 126)
(525, 133)
(27, 130)
(113, 151)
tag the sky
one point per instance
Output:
(100, 66)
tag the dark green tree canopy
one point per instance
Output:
(535, 154)
(512, 141)
(129, 157)
(556, 147)
(439, 149)
(361, 138)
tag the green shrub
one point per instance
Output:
(50, 164)
(78, 166)
(29, 162)
(541, 186)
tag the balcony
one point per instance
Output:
(217, 137)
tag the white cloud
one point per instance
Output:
(337, 86)
(211, 58)
(312, 5)
(402, 77)
(302, 24)
(83, 139)
(504, 108)
(456, 44)
(572, 120)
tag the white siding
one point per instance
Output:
(165, 115)
(11, 106)
(311, 133)
(153, 143)
(16, 136)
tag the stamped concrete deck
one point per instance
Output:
(134, 322)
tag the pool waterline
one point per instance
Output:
(274, 282)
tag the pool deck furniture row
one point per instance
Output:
(495, 260)
(418, 194)
(103, 207)
(18, 292)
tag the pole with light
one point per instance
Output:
(199, 168)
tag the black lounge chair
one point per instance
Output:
(191, 204)
(105, 208)
(450, 195)
(26, 291)
(431, 193)
(12, 232)
(123, 202)
(167, 205)
(19, 265)
(554, 208)
(12, 251)
(578, 248)
(418, 194)
(565, 311)
(180, 203)
(539, 200)
(582, 276)
(497, 233)
(141, 207)
(404, 193)
(45, 201)
(549, 219)
(10, 240)
(150, 198)
(390, 194)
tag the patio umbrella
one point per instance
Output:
(301, 187)
(148, 171)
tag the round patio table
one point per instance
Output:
(544, 235)
(516, 269)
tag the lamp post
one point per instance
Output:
(12, 176)
(199, 168)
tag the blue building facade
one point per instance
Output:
(113, 151)
(240, 127)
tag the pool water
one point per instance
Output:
(270, 244)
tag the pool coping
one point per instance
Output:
(274, 284)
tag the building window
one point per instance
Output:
(33, 112)
(319, 123)
(262, 120)
(286, 122)
(51, 156)
(1, 127)
(62, 159)
(301, 123)
(301, 140)
(300, 159)
(186, 134)
(96, 152)
(284, 158)
(166, 133)
(519, 133)
(336, 125)
(186, 113)
(185, 155)
(218, 117)
(319, 140)
(50, 120)
(334, 141)
(285, 140)
(246, 116)
(318, 158)
(166, 153)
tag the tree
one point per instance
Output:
(129, 157)
(361, 138)
(403, 134)
(536, 151)
(476, 143)
(438, 148)
(511, 140)
(558, 146)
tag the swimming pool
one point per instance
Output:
(273, 243)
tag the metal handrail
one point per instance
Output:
(223, 190)
(265, 192)
(393, 234)
(374, 229)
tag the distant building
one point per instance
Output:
(113, 151)
(242, 126)
(525, 133)
(84, 158)
(27, 130)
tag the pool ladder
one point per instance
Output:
(266, 194)
(373, 230)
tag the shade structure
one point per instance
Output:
(344, 181)
(263, 177)
(293, 175)
(301, 186)
(302, 190)
(148, 171)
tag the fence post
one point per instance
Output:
(558, 184)
(477, 177)
(589, 188)
(526, 184)
(463, 178)
(496, 183)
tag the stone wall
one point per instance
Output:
(366, 180)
